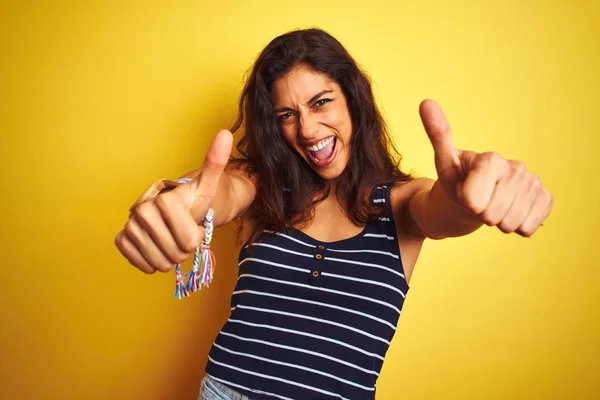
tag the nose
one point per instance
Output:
(309, 125)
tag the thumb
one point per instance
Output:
(437, 128)
(205, 185)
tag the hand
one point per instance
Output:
(500, 192)
(162, 232)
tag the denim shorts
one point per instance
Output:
(210, 389)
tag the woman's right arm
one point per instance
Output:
(163, 231)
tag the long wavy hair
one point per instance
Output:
(287, 187)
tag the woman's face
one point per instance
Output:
(314, 119)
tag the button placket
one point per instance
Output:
(316, 272)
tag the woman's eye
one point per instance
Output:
(285, 116)
(322, 102)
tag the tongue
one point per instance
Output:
(325, 152)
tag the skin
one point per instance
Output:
(310, 107)
(472, 188)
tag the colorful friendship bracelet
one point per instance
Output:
(204, 263)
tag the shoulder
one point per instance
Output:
(400, 196)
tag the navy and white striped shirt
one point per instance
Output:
(311, 319)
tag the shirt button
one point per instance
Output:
(321, 246)
(318, 256)
(315, 274)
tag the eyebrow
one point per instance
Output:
(312, 99)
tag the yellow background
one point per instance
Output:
(98, 99)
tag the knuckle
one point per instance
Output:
(489, 218)
(148, 271)
(190, 244)
(536, 183)
(176, 256)
(129, 228)
(179, 258)
(518, 166)
(493, 157)
(119, 240)
(507, 227)
(191, 240)
(164, 266)
(144, 211)
(162, 201)
(549, 198)
(132, 231)
(472, 203)
(528, 229)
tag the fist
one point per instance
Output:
(500, 192)
(504, 193)
(162, 232)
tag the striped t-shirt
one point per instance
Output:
(311, 319)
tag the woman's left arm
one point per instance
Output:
(474, 189)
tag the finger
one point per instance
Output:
(480, 183)
(180, 222)
(540, 209)
(150, 218)
(132, 254)
(503, 196)
(206, 183)
(146, 246)
(438, 130)
(526, 193)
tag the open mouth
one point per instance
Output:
(323, 153)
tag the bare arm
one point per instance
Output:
(436, 216)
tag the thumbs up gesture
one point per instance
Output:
(498, 191)
(162, 231)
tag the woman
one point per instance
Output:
(325, 211)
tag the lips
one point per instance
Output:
(325, 156)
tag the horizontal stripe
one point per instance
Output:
(299, 350)
(348, 310)
(311, 335)
(357, 296)
(377, 235)
(231, 384)
(378, 200)
(368, 281)
(386, 253)
(365, 265)
(291, 238)
(321, 320)
(274, 264)
(278, 379)
(296, 366)
(283, 249)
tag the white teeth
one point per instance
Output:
(323, 143)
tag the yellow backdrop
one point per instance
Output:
(100, 98)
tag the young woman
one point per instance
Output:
(332, 226)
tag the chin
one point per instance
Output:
(329, 174)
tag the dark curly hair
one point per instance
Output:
(287, 187)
